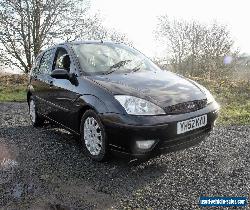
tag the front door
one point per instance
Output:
(63, 93)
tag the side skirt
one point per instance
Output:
(67, 128)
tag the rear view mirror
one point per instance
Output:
(60, 74)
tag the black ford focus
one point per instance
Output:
(117, 100)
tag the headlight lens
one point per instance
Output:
(138, 106)
(209, 96)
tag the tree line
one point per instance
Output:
(28, 26)
(196, 49)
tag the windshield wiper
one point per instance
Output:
(117, 66)
(137, 68)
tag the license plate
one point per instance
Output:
(191, 124)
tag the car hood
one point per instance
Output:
(161, 87)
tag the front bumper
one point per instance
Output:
(124, 130)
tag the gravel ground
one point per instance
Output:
(44, 168)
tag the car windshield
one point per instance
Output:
(106, 58)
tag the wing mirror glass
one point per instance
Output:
(60, 74)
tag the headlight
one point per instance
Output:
(138, 106)
(209, 96)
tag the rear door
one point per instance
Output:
(41, 82)
(35, 85)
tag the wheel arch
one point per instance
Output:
(82, 110)
(90, 102)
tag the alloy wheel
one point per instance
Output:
(92, 136)
(32, 111)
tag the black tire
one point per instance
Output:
(103, 152)
(36, 120)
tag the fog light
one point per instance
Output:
(147, 144)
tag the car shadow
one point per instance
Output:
(45, 168)
(51, 171)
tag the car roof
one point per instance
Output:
(79, 42)
(88, 42)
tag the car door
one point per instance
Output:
(63, 92)
(35, 85)
(41, 82)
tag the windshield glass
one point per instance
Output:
(106, 58)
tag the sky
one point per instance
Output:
(138, 18)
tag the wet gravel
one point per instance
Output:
(44, 168)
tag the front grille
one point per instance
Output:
(185, 107)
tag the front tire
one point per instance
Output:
(35, 119)
(93, 136)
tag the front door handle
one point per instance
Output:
(51, 84)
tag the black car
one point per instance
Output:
(117, 100)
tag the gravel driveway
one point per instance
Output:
(44, 169)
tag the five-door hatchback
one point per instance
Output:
(117, 100)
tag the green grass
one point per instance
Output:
(235, 114)
(13, 93)
(234, 98)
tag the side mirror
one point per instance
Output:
(60, 74)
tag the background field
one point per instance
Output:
(233, 96)
(13, 88)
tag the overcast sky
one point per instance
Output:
(138, 18)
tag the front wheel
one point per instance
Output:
(36, 120)
(93, 136)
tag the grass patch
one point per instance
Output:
(235, 114)
(13, 93)
(234, 98)
(13, 87)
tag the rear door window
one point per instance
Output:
(46, 62)
(35, 68)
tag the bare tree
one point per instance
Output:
(195, 49)
(27, 26)
(173, 35)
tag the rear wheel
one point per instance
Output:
(35, 119)
(93, 136)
